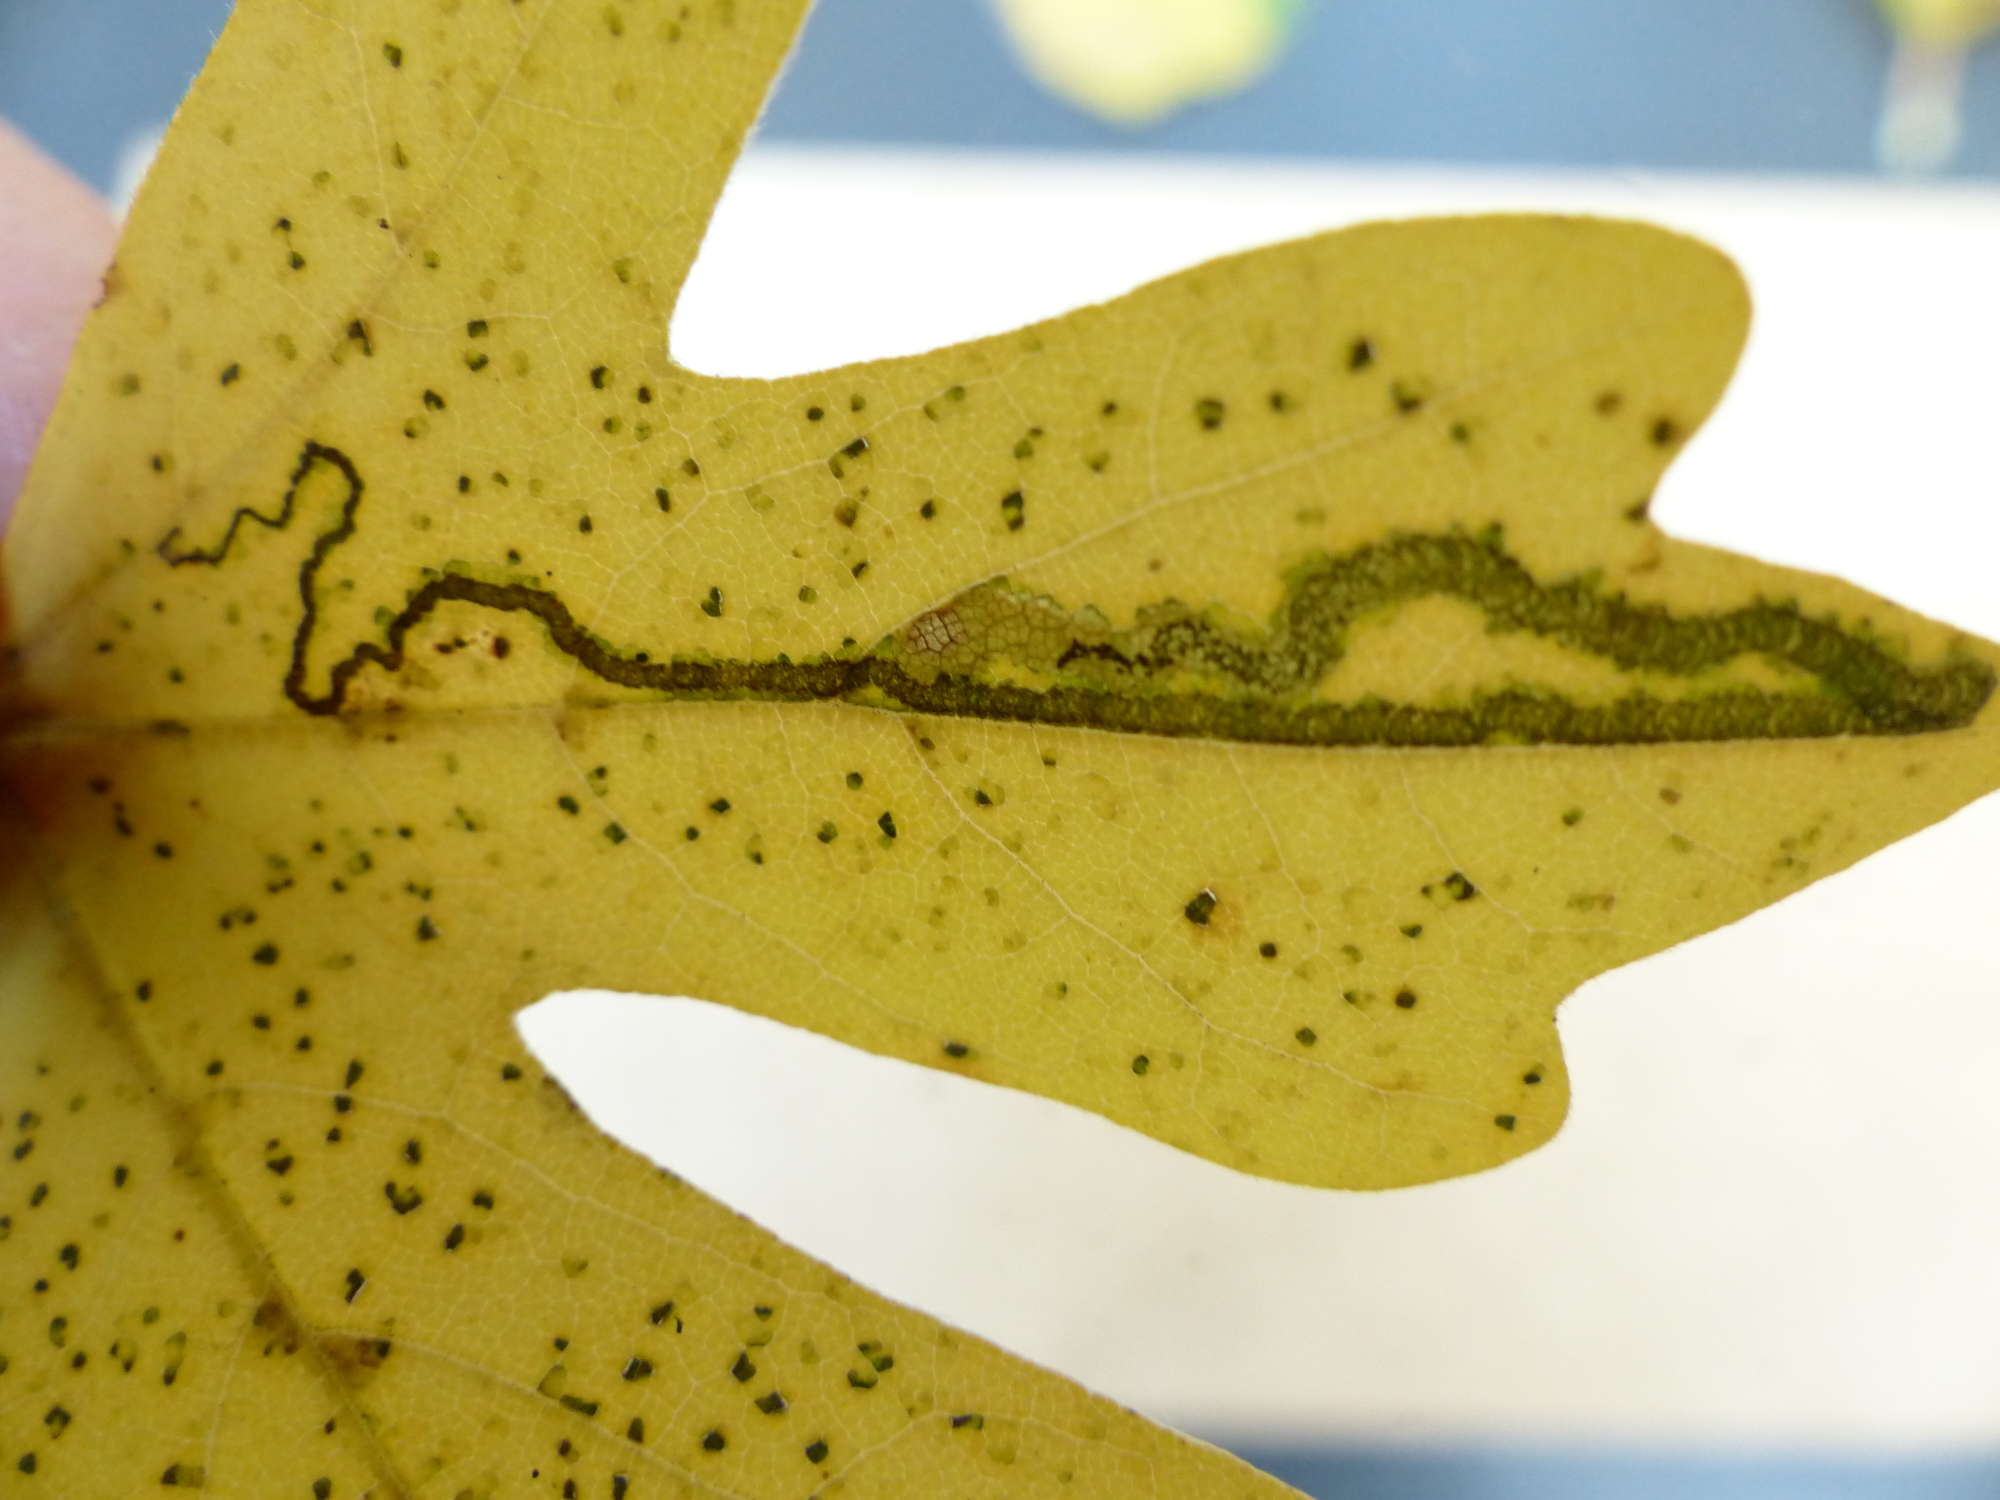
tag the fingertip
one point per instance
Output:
(56, 238)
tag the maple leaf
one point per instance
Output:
(1244, 709)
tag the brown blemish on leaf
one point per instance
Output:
(354, 1358)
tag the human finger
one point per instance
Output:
(56, 238)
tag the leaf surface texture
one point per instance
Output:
(1244, 709)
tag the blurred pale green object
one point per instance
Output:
(1942, 23)
(1920, 127)
(1135, 61)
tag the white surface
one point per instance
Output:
(1773, 1216)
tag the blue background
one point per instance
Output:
(1744, 85)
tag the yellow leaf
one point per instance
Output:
(1244, 709)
